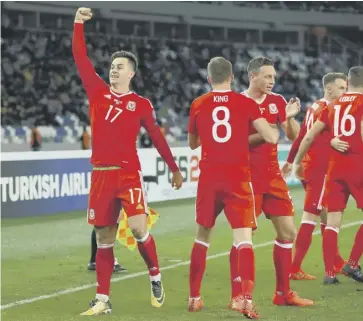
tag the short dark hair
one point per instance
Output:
(256, 63)
(219, 69)
(332, 76)
(355, 76)
(128, 55)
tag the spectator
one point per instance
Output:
(85, 139)
(35, 140)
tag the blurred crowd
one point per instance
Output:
(40, 85)
(321, 6)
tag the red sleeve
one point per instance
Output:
(192, 127)
(149, 122)
(90, 79)
(296, 144)
(324, 116)
(281, 106)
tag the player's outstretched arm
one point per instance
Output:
(287, 167)
(149, 122)
(297, 142)
(90, 78)
(268, 134)
(317, 128)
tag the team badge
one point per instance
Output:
(131, 106)
(91, 214)
(273, 108)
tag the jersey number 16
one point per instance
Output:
(340, 123)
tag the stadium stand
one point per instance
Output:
(319, 6)
(40, 85)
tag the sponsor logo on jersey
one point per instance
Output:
(139, 207)
(107, 96)
(273, 108)
(262, 110)
(117, 102)
(131, 106)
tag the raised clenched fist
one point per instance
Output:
(83, 14)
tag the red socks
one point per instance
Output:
(330, 246)
(338, 261)
(147, 250)
(302, 244)
(322, 228)
(242, 269)
(282, 255)
(198, 261)
(357, 249)
(246, 261)
(235, 277)
(104, 268)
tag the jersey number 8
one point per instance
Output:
(340, 124)
(221, 122)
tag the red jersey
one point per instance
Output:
(263, 157)
(317, 156)
(343, 117)
(221, 120)
(273, 109)
(116, 118)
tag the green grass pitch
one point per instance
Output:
(44, 261)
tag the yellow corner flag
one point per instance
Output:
(124, 234)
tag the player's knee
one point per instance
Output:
(138, 226)
(334, 219)
(242, 235)
(105, 234)
(203, 234)
(289, 233)
(309, 216)
(139, 232)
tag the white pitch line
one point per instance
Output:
(135, 275)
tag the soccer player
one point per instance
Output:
(116, 114)
(315, 165)
(219, 122)
(343, 118)
(271, 193)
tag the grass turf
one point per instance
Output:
(44, 255)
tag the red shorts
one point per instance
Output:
(233, 196)
(314, 191)
(338, 191)
(276, 201)
(112, 190)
